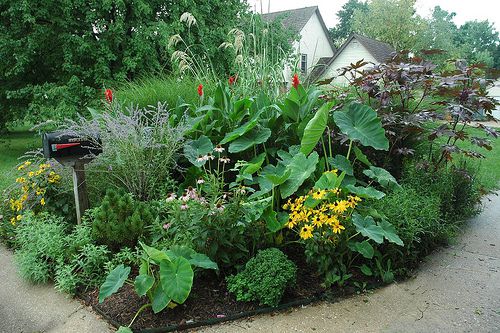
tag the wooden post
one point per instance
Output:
(80, 189)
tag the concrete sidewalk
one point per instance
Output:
(456, 289)
(28, 308)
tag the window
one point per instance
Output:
(303, 63)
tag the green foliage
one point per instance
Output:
(164, 276)
(120, 220)
(345, 15)
(84, 268)
(41, 245)
(264, 278)
(110, 41)
(417, 219)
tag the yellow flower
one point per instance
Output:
(319, 194)
(340, 206)
(319, 219)
(332, 220)
(24, 197)
(20, 180)
(31, 174)
(25, 188)
(306, 232)
(13, 221)
(20, 167)
(27, 163)
(335, 191)
(334, 171)
(337, 227)
(42, 202)
(40, 191)
(19, 217)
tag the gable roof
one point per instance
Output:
(296, 19)
(379, 50)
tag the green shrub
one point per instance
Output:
(418, 222)
(86, 268)
(457, 187)
(264, 278)
(120, 220)
(41, 242)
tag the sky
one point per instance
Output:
(466, 10)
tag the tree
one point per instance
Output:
(55, 55)
(478, 41)
(391, 21)
(345, 26)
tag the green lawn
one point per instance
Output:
(12, 146)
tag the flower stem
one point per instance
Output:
(138, 312)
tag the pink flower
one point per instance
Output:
(171, 197)
(184, 206)
(166, 226)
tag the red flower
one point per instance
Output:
(200, 89)
(295, 81)
(231, 80)
(109, 95)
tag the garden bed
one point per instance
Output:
(209, 302)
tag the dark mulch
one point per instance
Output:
(209, 299)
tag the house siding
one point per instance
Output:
(352, 53)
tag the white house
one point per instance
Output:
(356, 47)
(314, 43)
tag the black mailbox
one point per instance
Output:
(59, 145)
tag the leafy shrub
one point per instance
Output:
(417, 219)
(41, 245)
(264, 278)
(85, 268)
(120, 220)
(456, 187)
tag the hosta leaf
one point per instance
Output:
(342, 163)
(143, 283)
(361, 123)
(367, 227)
(365, 192)
(176, 278)
(254, 137)
(197, 148)
(315, 129)
(114, 281)
(390, 232)
(301, 168)
(202, 261)
(364, 248)
(382, 176)
(160, 299)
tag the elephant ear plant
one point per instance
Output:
(165, 277)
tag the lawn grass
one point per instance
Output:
(12, 146)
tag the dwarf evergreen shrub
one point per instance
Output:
(264, 278)
(120, 220)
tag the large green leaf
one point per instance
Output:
(254, 137)
(367, 227)
(382, 176)
(327, 181)
(361, 157)
(196, 148)
(202, 261)
(361, 123)
(160, 299)
(143, 283)
(390, 232)
(176, 278)
(365, 192)
(272, 223)
(176, 251)
(114, 281)
(254, 164)
(301, 168)
(342, 163)
(246, 127)
(315, 129)
(154, 254)
(364, 248)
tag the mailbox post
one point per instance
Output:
(75, 152)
